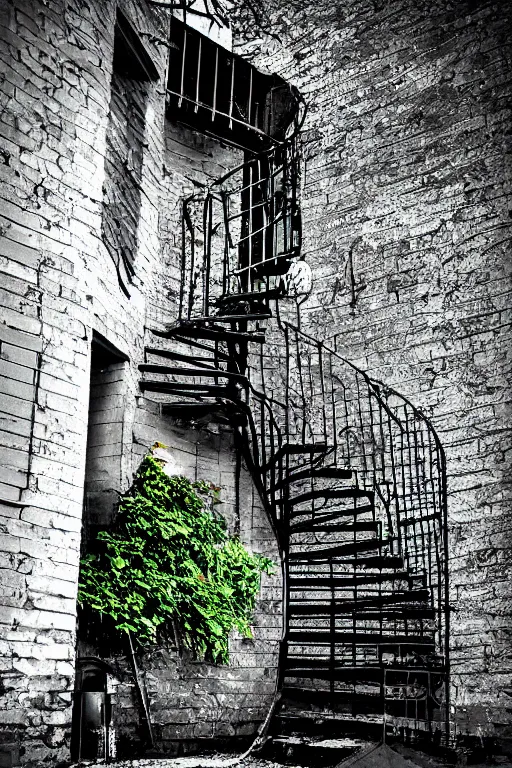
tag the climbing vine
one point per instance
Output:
(168, 561)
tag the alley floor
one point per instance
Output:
(409, 758)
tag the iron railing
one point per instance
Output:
(220, 92)
(317, 398)
(305, 407)
(240, 236)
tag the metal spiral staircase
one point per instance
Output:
(351, 473)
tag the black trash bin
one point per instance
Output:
(92, 732)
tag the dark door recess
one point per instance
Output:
(92, 732)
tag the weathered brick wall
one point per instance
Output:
(59, 284)
(406, 205)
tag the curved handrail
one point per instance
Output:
(371, 428)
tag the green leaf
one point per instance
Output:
(168, 562)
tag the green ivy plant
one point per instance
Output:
(168, 560)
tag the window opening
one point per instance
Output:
(132, 73)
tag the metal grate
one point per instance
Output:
(222, 93)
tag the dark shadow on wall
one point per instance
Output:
(132, 74)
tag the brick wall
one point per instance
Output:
(59, 285)
(406, 204)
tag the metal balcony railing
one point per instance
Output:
(240, 237)
(221, 93)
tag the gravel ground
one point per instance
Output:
(220, 761)
(226, 761)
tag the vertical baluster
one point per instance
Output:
(438, 540)
(182, 80)
(249, 109)
(191, 280)
(394, 475)
(198, 76)
(225, 257)
(208, 209)
(287, 380)
(183, 256)
(263, 217)
(312, 399)
(322, 391)
(215, 78)
(404, 475)
(332, 417)
(411, 541)
(346, 430)
(230, 244)
(274, 231)
(250, 277)
(332, 629)
(362, 427)
(418, 507)
(232, 93)
(301, 381)
(285, 201)
(423, 504)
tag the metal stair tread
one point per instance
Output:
(375, 562)
(203, 372)
(327, 610)
(312, 637)
(357, 578)
(295, 449)
(212, 332)
(183, 387)
(320, 742)
(187, 342)
(305, 474)
(331, 493)
(235, 318)
(334, 716)
(358, 525)
(313, 662)
(322, 518)
(272, 293)
(301, 693)
(349, 695)
(396, 596)
(191, 358)
(338, 551)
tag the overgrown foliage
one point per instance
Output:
(169, 561)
